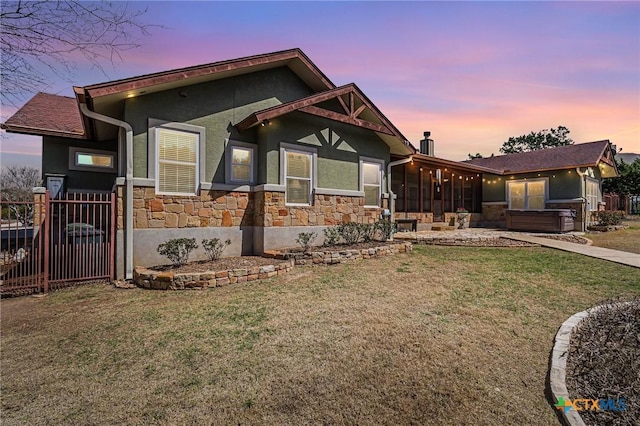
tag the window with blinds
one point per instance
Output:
(592, 195)
(298, 172)
(241, 164)
(177, 162)
(371, 184)
(527, 195)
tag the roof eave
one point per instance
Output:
(166, 77)
(34, 131)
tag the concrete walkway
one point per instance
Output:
(622, 257)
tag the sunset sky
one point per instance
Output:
(472, 73)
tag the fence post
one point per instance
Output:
(112, 238)
(47, 214)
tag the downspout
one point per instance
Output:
(583, 192)
(392, 198)
(128, 221)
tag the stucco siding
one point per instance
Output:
(563, 184)
(55, 159)
(216, 106)
(339, 147)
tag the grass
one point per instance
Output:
(444, 335)
(626, 239)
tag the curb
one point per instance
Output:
(557, 370)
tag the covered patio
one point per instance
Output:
(430, 190)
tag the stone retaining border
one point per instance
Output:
(329, 257)
(557, 371)
(156, 280)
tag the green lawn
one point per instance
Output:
(626, 240)
(444, 335)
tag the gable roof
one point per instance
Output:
(588, 154)
(47, 114)
(295, 59)
(358, 111)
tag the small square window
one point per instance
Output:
(240, 163)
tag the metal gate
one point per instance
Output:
(49, 244)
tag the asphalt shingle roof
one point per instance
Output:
(563, 157)
(49, 114)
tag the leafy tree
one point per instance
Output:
(547, 138)
(628, 183)
(16, 185)
(37, 37)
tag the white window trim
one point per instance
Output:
(73, 160)
(287, 147)
(380, 164)
(229, 145)
(152, 157)
(526, 193)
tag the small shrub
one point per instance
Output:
(305, 239)
(331, 236)
(178, 250)
(350, 232)
(607, 218)
(385, 229)
(367, 232)
(214, 247)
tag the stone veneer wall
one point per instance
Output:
(421, 217)
(155, 280)
(326, 210)
(334, 255)
(494, 212)
(225, 209)
(209, 209)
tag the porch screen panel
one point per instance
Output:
(413, 187)
(468, 193)
(426, 191)
(298, 177)
(371, 184)
(535, 195)
(177, 161)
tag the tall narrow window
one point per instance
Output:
(592, 195)
(371, 184)
(527, 195)
(177, 162)
(298, 177)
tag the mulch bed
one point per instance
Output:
(568, 238)
(493, 242)
(604, 362)
(222, 264)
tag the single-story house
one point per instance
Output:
(255, 150)
(261, 148)
(565, 177)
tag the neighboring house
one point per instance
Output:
(566, 177)
(256, 150)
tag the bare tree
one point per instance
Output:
(40, 37)
(16, 186)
